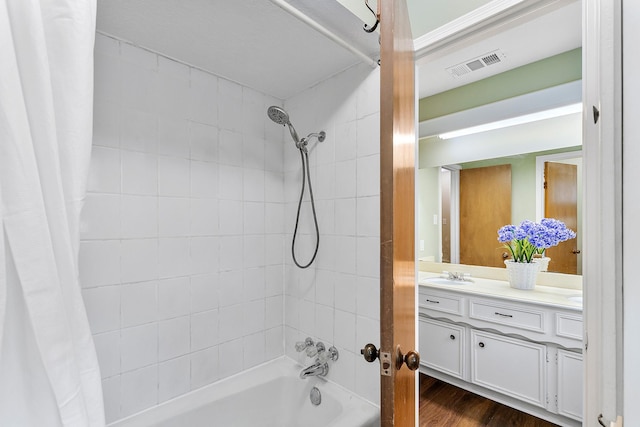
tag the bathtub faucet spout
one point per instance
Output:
(318, 369)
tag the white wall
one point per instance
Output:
(548, 134)
(337, 300)
(181, 258)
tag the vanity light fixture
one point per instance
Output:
(527, 118)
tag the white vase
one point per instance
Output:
(522, 275)
(543, 262)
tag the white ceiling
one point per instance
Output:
(258, 44)
(253, 42)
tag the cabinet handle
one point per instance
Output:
(503, 315)
(433, 301)
(481, 344)
(453, 337)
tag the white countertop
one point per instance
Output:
(545, 295)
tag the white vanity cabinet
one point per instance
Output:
(445, 351)
(510, 366)
(521, 353)
(570, 384)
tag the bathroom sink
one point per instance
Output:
(445, 281)
(575, 298)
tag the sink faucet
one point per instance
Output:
(452, 275)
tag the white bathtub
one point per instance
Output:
(270, 395)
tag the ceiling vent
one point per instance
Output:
(475, 64)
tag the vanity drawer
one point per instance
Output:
(435, 301)
(507, 314)
(569, 326)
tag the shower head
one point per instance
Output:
(278, 115)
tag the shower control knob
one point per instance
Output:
(370, 352)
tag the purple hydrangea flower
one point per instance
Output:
(506, 233)
(529, 238)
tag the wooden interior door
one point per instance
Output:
(485, 206)
(397, 214)
(561, 202)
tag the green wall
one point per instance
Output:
(563, 68)
(428, 232)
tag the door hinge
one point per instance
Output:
(616, 423)
(586, 341)
(544, 185)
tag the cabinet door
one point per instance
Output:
(570, 384)
(442, 346)
(510, 366)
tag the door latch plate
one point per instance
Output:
(385, 364)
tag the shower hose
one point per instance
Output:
(306, 176)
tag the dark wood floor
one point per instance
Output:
(442, 404)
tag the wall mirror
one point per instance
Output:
(470, 185)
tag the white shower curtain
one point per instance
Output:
(49, 374)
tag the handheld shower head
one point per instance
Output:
(279, 116)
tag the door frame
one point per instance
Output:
(631, 176)
(540, 196)
(454, 212)
(602, 185)
(540, 161)
(602, 189)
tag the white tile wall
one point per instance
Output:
(173, 378)
(205, 366)
(138, 389)
(185, 251)
(182, 227)
(339, 302)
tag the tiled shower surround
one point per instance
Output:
(185, 255)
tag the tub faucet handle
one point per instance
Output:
(304, 345)
(329, 355)
(315, 350)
